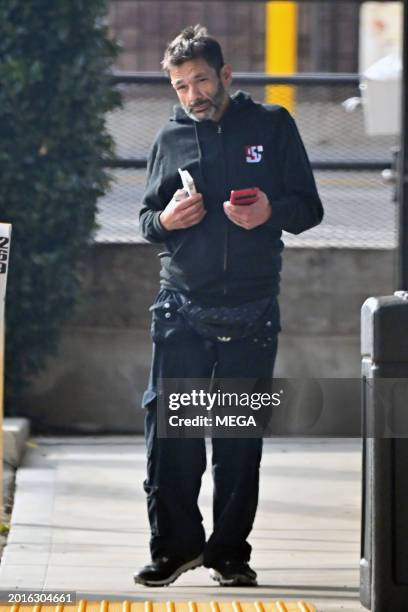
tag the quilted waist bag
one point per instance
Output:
(226, 323)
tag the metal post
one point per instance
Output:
(403, 165)
(281, 49)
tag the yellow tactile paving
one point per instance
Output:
(169, 606)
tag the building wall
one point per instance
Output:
(327, 32)
(144, 28)
(328, 37)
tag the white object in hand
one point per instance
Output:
(188, 182)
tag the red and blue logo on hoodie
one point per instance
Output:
(253, 153)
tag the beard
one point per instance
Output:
(215, 103)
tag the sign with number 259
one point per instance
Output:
(5, 235)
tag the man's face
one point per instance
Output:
(201, 92)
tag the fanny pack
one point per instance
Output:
(226, 323)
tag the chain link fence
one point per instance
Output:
(359, 206)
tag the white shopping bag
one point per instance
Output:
(381, 94)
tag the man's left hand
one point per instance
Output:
(252, 215)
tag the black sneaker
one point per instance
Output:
(164, 571)
(233, 573)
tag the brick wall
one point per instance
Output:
(327, 32)
(328, 37)
(145, 27)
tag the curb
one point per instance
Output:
(16, 432)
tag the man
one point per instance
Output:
(219, 258)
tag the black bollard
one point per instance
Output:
(384, 530)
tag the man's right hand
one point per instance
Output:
(182, 212)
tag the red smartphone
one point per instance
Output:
(244, 197)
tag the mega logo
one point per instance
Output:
(253, 153)
(4, 249)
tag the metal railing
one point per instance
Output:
(245, 78)
(347, 163)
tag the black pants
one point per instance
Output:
(175, 466)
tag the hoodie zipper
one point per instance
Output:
(225, 256)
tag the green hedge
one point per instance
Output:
(55, 62)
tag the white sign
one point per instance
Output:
(380, 32)
(381, 66)
(5, 235)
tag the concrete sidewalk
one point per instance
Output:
(79, 523)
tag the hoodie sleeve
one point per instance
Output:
(154, 199)
(300, 207)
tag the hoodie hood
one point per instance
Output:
(239, 102)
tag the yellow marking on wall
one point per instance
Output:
(304, 607)
(161, 606)
(281, 50)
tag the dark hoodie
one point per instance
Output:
(254, 145)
